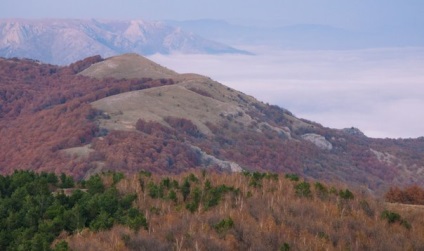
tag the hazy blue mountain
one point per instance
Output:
(62, 41)
(305, 36)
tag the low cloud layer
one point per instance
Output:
(380, 91)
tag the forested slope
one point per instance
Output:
(198, 211)
(46, 108)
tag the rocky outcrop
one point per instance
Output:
(318, 140)
(209, 160)
(354, 131)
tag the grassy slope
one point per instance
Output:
(129, 66)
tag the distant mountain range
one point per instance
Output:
(63, 41)
(304, 36)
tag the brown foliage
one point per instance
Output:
(131, 152)
(264, 217)
(84, 64)
(45, 108)
(410, 195)
(184, 126)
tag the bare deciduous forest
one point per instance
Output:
(255, 211)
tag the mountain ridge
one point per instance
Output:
(63, 41)
(63, 121)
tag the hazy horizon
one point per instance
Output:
(347, 14)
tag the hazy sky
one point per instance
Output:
(343, 13)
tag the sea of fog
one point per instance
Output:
(380, 91)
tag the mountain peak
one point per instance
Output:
(129, 66)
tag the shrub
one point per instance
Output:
(285, 247)
(257, 177)
(224, 225)
(193, 178)
(303, 189)
(390, 216)
(185, 189)
(393, 217)
(292, 177)
(155, 191)
(194, 205)
(333, 190)
(321, 190)
(272, 176)
(346, 194)
(117, 176)
(405, 224)
(172, 195)
(166, 182)
(213, 195)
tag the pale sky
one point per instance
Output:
(356, 14)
